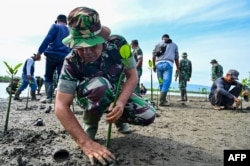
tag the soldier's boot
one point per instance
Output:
(163, 101)
(123, 127)
(185, 95)
(49, 93)
(90, 123)
(182, 96)
(91, 130)
(17, 95)
(38, 92)
(33, 95)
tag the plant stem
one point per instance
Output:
(116, 97)
(8, 111)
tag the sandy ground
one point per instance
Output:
(185, 134)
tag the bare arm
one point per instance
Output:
(177, 65)
(139, 62)
(90, 148)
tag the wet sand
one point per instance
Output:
(187, 134)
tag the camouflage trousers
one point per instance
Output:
(137, 88)
(96, 95)
(182, 84)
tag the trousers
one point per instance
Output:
(164, 73)
(96, 95)
(220, 100)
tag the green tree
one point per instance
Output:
(246, 82)
(12, 72)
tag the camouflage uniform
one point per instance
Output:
(15, 86)
(217, 71)
(184, 76)
(39, 82)
(137, 53)
(96, 82)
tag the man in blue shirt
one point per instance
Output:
(28, 77)
(55, 52)
(221, 95)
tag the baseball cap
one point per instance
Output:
(85, 28)
(234, 74)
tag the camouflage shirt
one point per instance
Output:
(109, 65)
(185, 69)
(217, 71)
(137, 53)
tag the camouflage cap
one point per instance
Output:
(85, 28)
(213, 61)
(184, 54)
(234, 74)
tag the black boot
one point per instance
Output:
(17, 95)
(33, 95)
(185, 95)
(49, 93)
(163, 101)
(182, 96)
(123, 127)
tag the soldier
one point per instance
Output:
(39, 81)
(184, 75)
(137, 53)
(217, 69)
(92, 72)
(15, 85)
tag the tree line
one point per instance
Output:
(6, 78)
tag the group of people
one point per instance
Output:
(89, 62)
(12, 88)
(226, 89)
(55, 52)
(224, 92)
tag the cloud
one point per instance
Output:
(203, 29)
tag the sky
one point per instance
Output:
(204, 29)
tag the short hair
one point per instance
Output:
(135, 42)
(61, 18)
(165, 35)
